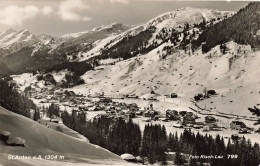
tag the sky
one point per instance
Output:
(57, 17)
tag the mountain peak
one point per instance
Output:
(186, 15)
(10, 30)
(17, 40)
(115, 27)
(186, 8)
(44, 38)
(25, 32)
(7, 32)
(109, 26)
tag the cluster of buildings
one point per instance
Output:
(190, 120)
(241, 127)
(82, 103)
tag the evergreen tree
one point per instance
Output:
(14, 101)
(36, 115)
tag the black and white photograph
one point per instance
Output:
(129, 83)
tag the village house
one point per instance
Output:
(105, 100)
(244, 131)
(182, 113)
(156, 117)
(131, 96)
(198, 97)
(174, 95)
(211, 92)
(236, 125)
(133, 107)
(70, 93)
(150, 113)
(188, 118)
(210, 126)
(178, 125)
(210, 119)
(172, 115)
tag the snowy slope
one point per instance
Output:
(41, 140)
(186, 15)
(73, 35)
(117, 27)
(232, 75)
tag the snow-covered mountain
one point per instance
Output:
(186, 15)
(73, 35)
(171, 22)
(95, 34)
(114, 28)
(10, 38)
(6, 33)
(78, 43)
(46, 39)
(108, 41)
(14, 41)
(22, 51)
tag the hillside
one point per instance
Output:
(232, 75)
(76, 44)
(237, 28)
(168, 26)
(41, 140)
(4, 70)
(23, 61)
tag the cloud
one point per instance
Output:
(47, 10)
(70, 10)
(15, 15)
(120, 1)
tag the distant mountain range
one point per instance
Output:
(23, 51)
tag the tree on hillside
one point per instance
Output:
(14, 101)
(241, 28)
(53, 111)
(36, 115)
